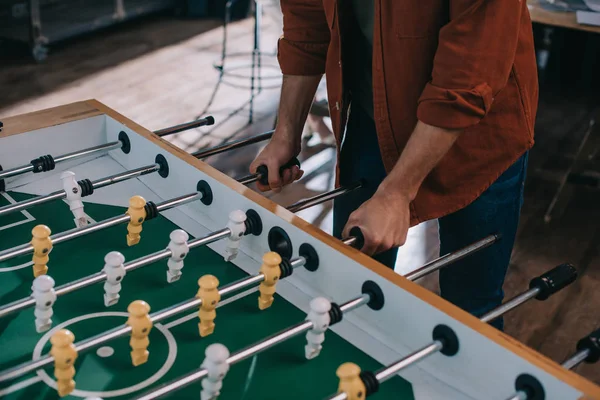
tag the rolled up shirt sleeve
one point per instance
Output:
(302, 49)
(473, 62)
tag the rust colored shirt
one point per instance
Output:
(454, 64)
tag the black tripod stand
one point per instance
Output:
(256, 84)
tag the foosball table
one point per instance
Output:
(131, 269)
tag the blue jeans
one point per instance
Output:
(474, 283)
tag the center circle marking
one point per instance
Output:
(172, 354)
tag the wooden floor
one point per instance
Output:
(159, 72)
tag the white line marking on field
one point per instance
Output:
(221, 304)
(21, 385)
(172, 355)
(26, 214)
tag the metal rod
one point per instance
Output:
(249, 351)
(99, 277)
(22, 205)
(123, 330)
(123, 176)
(451, 258)
(510, 304)
(518, 396)
(109, 180)
(388, 372)
(576, 359)
(350, 241)
(233, 145)
(323, 197)
(108, 146)
(246, 180)
(391, 370)
(65, 157)
(185, 126)
(77, 232)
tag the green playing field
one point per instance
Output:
(175, 346)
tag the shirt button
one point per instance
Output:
(337, 105)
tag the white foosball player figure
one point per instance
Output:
(44, 295)
(73, 191)
(319, 316)
(179, 250)
(237, 227)
(115, 272)
(216, 365)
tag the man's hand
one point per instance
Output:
(297, 94)
(384, 221)
(279, 151)
(385, 218)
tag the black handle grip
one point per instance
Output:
(263, 171)
(591, 343)
(360, 238)
(554, 280)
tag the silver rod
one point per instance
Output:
(233, 145)
(323, 197)
(249, 179)
(97, 340)
(177, 201)
(77, 232)
(16, 171)
(234, 358)
(270, 341)
(249, 351)
(80, 283)
(213, 237)
(65, 157)
(354, 304)
(450, 258)
(576, 359)
(298, 262)
(349, 241)
(130, 266)
(185, 126)
(16, 306)
(518, 396)
(123, 176)
(89, 151)
(109, 180)
(22, 205)
(123, 330)
(181, 382)
(388, 372)
(510, 304)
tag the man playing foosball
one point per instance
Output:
(433, 104)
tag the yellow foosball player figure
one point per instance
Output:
(64, 352)
(138, 214)
(42, 245)
(350, 382)
(272, 271)
(141, 324)
(208, 292)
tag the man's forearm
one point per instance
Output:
(424, 150)
(297, 94)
